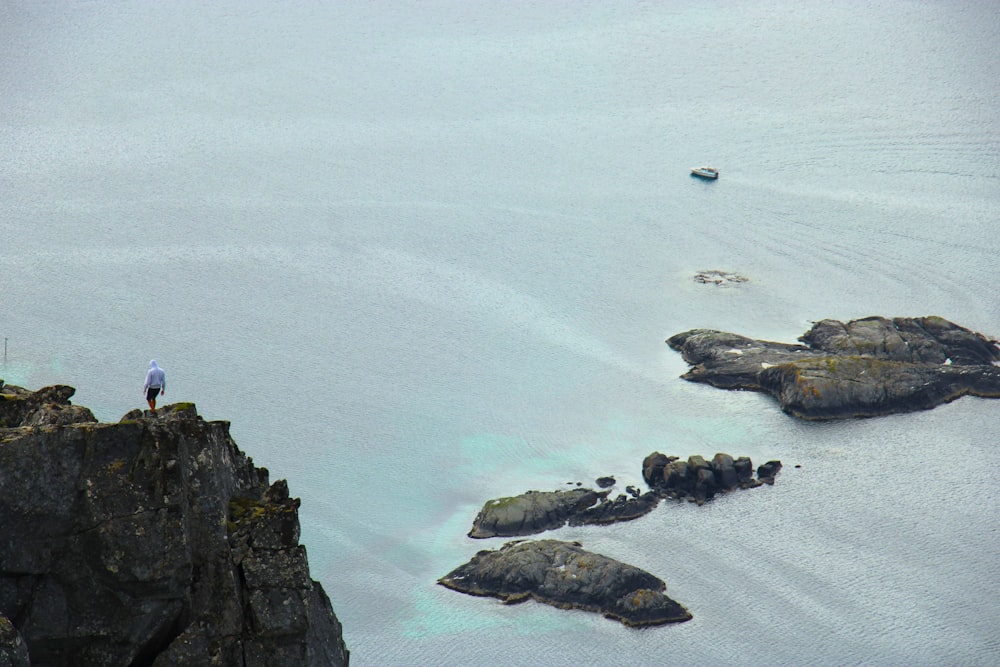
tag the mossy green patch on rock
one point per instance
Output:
(500, 503)
(246, 508)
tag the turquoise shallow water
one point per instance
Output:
(423, 256)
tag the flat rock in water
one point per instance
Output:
(564, 575)
(531, 512)
(864, 368)
(537, 511)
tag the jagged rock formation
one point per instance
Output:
(153, 541)
(49, 406)
(698, 480)
(564, 575)
(865, 368)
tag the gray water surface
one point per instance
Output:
(423, 255)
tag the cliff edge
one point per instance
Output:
(153, 541)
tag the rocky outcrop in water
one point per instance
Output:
(864, 368)
(537, 511)
(153, 541)
(564, 575)
(531, 512)
(698, 480)
(695, 479)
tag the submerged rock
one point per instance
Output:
(864, 368)
(153, 541)
(718, 277)
(564, 575)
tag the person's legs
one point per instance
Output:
(151, 397)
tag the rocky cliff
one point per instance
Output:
(152, 541)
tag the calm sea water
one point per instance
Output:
(426, 254)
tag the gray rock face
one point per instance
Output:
(564, 575)
(865, 368)
(153, 541)
(13, 650)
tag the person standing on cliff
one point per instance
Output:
(156, 383)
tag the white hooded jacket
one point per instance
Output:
(155, 377)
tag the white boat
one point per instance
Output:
(705, 172)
